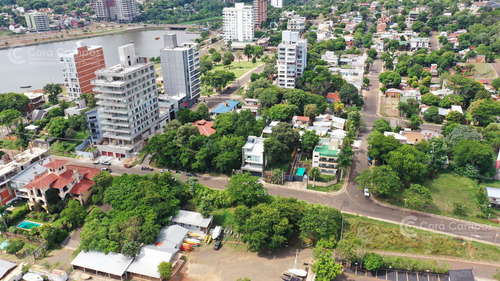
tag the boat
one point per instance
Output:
(217, 231)
(194, 242)
(157, 38)
(32, 277)
(298, 272)
(25, 86)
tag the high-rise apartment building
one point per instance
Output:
(128, 100)
(126, 10)
(259, 12)
(292, 58)
(104, 9)
(277, 3)
(79, 67)
(37, 21)
(180, 65)
(238, 23)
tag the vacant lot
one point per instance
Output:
(377, 235)
(483, 71)
(233, 261)
(235, 68)
(389, 107)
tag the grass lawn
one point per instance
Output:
(82, 134)
(483, 71)
(330, 188)
(224, 217)
(282, 166)
(377, 235)
(246, 66)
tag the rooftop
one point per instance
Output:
(324, 150)
(147, 261)
(205, 127)
(5, 267)
(112, 263)
(493, 192)
(225, 107)
(191, 218)
(29, 173)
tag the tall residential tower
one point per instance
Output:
(126, 10)
(79, 67)
(128, 100)
(259, 12)
(180, 65)
(292, 58)
(238, 23)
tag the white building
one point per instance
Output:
(325, 155)
(79, 67)
(37, 21)
(253, 159)
(104, 9)
(128, 98)
(292, 58)
(126, 10)
(238, 23)
(417, 43)
(296, 23)
(277, 3)
(180, 65)
(193, 221)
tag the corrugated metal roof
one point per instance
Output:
(147, 261)
(112, 263)
(493, 192)
(6, 266)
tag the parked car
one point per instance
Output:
(127, 165)
(189, 174)
(217, 245)
(107, 163)
(96, 162)
(165, 170)
(366, 192)
(106, 170)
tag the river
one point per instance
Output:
(39, 65)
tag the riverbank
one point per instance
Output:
(33, 39)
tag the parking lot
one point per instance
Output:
(232, 262)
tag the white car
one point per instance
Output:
(366, 192)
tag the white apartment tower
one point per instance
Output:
(37, 21)
(180, 66)
(126, 10)
(292, 58)
(128, 100)
(104, 9)
(238, 23)
(277, 3)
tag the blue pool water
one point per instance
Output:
(28, 225)
(4, 245)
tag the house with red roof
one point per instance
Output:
(332, 97)
(205, 127)
(67, 180)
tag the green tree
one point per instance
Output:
(218, 79)
(52, 90)
(270, 96)
(228, 59)
(4, 212)
(74, 214)
(390, 78)
(314, 173)
(244, 189)
(455, 116)
(9, 116)
(415, 122)
(258, 51)
(202, 111)
(309, 140)
(379, 146)
(326, 269)
(461, 132)
(417, 196)
(432, 115)
(320, 222)
(381, 180)
(15, 245)
(248, 51)
(484, 111)
(381, 125)
(476, 154)
(430, 99)
(311, 110)
(216, 57)
(437, 151)
(165, 269)
(372, 261)
(131, 249)
(408, 163)
(282, 112)
(349, 95)
(58, 126)
(495, 83)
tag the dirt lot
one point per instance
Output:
(389, 107)
(232, 262)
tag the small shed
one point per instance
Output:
(193, 221)
(493, 195)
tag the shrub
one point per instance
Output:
(15, 245)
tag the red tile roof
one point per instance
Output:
(303, 118)
(205, 127)
(63, 180)
(55, 164)
(42, 181)
(82, 186)
(88, 173)
(333, 96)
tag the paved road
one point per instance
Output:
(433, 41)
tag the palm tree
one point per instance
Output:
(3, 213)
(239, 56)
(345, 159)
(314, 173)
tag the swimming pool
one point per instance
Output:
(4, 245)
(28, 225)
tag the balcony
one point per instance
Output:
(328, 160)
